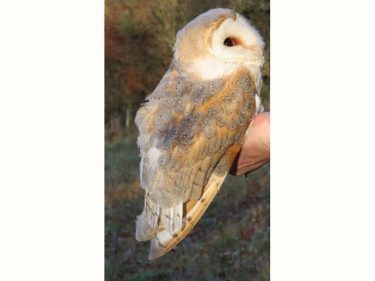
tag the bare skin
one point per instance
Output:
(255, 151)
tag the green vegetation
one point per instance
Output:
(230, 242)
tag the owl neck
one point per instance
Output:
(211, 69)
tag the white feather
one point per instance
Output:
(258, 104)
(213, 68)
(153, 154)
(223, 60)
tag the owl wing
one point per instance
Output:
(190, 133)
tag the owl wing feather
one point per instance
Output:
(190, 133)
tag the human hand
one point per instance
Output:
(255, 151)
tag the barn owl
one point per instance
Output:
(193, 125)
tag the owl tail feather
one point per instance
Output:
(147, 222)
(164, 240)
(155, 218)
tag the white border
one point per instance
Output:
(52, 140)
(322, 140)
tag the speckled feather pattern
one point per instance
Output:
(191, 124)
(187, 121)
(190, 129)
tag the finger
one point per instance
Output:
(256, 149)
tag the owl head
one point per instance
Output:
(218, 42)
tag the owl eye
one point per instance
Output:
(229, 42)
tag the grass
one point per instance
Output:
(230, 242)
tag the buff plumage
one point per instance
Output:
(193, 124)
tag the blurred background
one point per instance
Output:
(231, 241)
